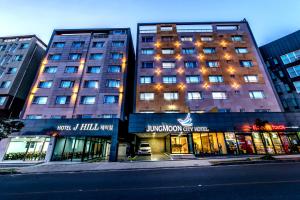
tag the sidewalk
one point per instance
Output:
(53, 167)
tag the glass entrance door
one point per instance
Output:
(260, 149)
(179, 144)
(277, 143)
(268, 143)
(294, 141)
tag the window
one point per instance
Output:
(294, 71)
(290, 57)
(287, 87)
(216, 79)
(93, 69)
(169, 79)
(113, 83)
(170, 96)
(186, 38)
(251, 78)
(2, 47)
(146, 96)
(167, 51)
(219, 95)
(166, 28)
(118, 43)
(275, 61)
(96, 56)
(77, 44)
(116, 56)
(280, 73)
(66, 84)
(2, 100)
(71, 69)
(119, 32)
(246, 63)
(91, 84)
(50, 69)
(98, 44)
(192, 79)
(146, 79)
(209, 50)
(110, 99)
(167, 38)
(147, 51)
(62, 100)
(109, 116)
(45, 84)
(206, 38)
(114, 69)
(5, 84)
(39, 100)
(256, 94)
(18, 57)
(147, 39)
(12, 70)
(34, 117)
(12, 47)
(194, 95)
(58, 117)
(188, 51)
(190, 64)
(87, 100)
(297, 86)
(241, 50)
(223, 109)
(262, 110)
(227, 27)
(147, 64)
(168, 65)
(212, 63)
(74, 56)
(24, 46)
(58, 45)
(237, 38)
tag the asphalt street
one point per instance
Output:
(244, 182)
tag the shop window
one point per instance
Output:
(27, 148)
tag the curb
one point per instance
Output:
(216, 163)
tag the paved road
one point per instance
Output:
(269, 181)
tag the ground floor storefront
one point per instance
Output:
(63, 140)
(221, 143)
(216, 134)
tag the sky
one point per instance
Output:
(269, 19)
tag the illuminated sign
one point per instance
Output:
(85, 127)
(185, 125)
(269, 127)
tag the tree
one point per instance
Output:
(8, 126)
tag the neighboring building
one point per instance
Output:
(188, 75)
(20, 57)
(79, 97)
(200, 67)
(282, 58)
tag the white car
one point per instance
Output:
(144, 149)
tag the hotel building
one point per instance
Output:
(20, 57)
(282, 58)
(202, 88)
(78, 102)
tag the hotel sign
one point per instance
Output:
(85, 127)
(185, 125)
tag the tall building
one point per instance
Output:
(79, 102)
(83, 76)
(203, 89)
(200, 67)
(20, 57)
(282, 58)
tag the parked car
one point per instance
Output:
(144, 149)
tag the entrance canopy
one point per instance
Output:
(211, 122)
